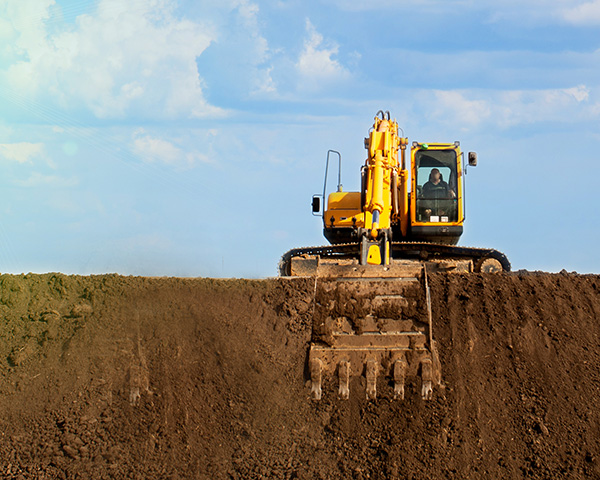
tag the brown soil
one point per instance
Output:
(125, 377)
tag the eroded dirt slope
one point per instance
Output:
(124, 377)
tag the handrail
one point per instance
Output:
(339, 187)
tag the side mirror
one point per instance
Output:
(316, 204)
(472, 159)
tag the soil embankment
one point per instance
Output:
(126, 377)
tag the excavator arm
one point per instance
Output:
(381, 190)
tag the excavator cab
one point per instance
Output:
(437, 212)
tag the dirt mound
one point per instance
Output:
(127, 377)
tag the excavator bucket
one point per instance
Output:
(374, 323)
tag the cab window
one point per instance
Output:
(436, 185)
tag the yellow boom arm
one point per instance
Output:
(383, 173)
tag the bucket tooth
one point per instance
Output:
(426, 379)
(316, 368)
(371, 374)
(399, 378)
(344, 374)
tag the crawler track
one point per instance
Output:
(400, 250)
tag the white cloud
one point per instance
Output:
(151, 149)
(587, 13)
(264, 83)
(472, 109)
(258, 50)
(580, 93)
(533, 106)
(316, 63)
(456, 107)
(240, 39)
(22, 152)
(131, 57)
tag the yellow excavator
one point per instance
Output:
(372, 315)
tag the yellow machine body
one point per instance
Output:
(372, 310)
(394, 203)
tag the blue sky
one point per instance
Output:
(186, 137)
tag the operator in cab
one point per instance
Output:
(436, 187)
